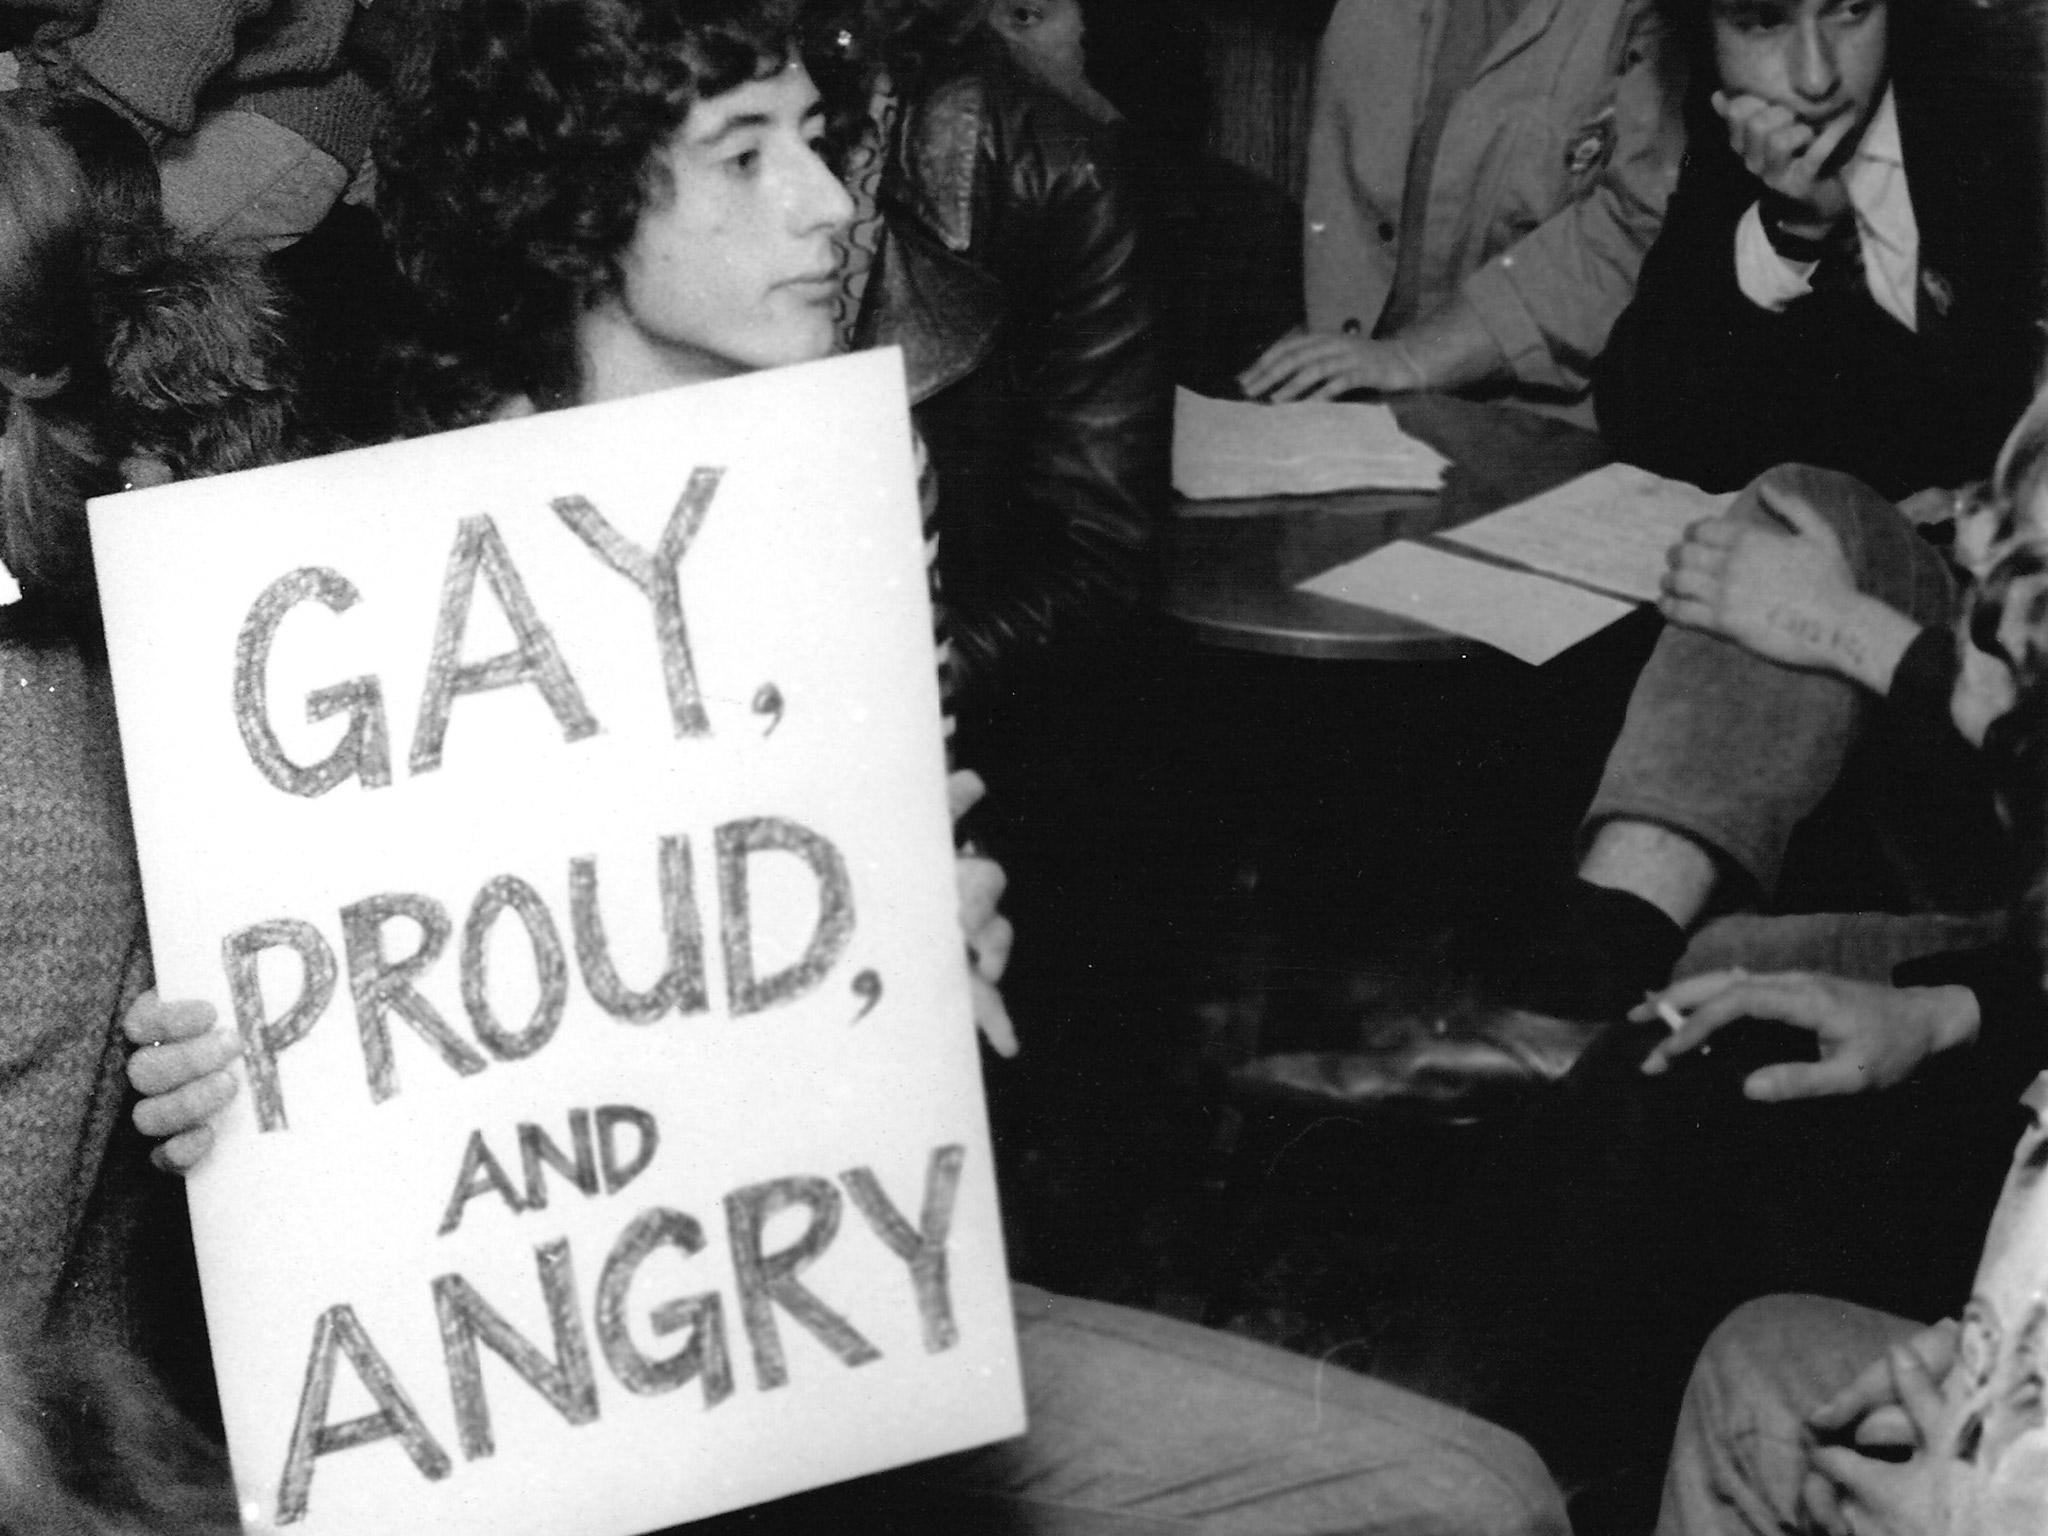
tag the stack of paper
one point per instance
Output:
(1609, 530)
(1589, 551)
(1230, 449)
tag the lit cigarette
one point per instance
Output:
(1673, 1019)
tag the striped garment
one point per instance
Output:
(942, 629)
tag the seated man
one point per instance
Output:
(686, 235)
(1815, 1415)
(1827, 288)
(1808, 651)
(1807, 663)
(1483, 180)
(1836, 1121)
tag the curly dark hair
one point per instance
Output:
(512, 181)
(119, 340)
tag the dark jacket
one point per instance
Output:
(1699, 383)
(1010, 274)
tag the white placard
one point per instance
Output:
(558, 807)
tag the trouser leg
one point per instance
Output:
(1734, 751)
(1740, 1453)
(1142, 1425)
(1865, 946)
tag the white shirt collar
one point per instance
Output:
(1876, 182)
(1887, 234)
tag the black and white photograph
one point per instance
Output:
(1024, 767)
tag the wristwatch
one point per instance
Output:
(1774, 209)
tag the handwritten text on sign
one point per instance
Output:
(557, 809)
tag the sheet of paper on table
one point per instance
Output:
(1608, 530)
(1236, 448)
(1530, 617)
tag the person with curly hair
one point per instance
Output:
(541, 188)
(597, 198)
(127, 357)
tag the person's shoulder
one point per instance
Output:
(977, 94)
(980, 136)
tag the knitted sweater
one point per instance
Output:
(73, 955)
(163, 62)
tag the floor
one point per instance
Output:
(1319, 828)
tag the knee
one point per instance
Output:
(1755, 1365)
(1756, 1330)
(1723, 1390)
(1850, 506)
(1527, 1500)
(1862, 520)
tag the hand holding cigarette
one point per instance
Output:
(1869, 1036)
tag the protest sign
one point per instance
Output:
(557, 808)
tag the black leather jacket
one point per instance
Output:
(1010, 274)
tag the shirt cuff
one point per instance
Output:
(1917, 703)
(1766, 279)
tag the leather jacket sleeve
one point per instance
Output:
(1015, 280)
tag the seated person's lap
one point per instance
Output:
(1141, 1423)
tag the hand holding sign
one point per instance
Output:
(180, 1067)
(542, 970)
(989, 934)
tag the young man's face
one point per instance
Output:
(734, 269)
(1819, 59)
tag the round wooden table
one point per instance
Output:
(1232, 569)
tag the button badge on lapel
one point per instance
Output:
(1938, 291)
(1592, 146)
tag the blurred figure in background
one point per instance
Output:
(128, 356)
(257, 110)
(996, 238)
(1048, 37)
